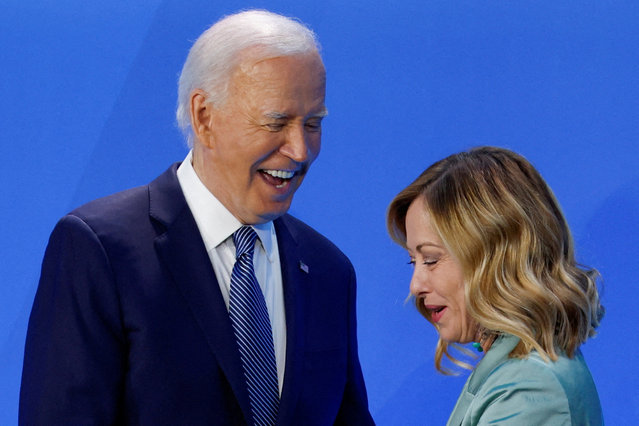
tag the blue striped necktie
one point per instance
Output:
(252, 328)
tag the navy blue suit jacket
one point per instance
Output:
(128, 324)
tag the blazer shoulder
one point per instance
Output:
(308, 239)
(132, 208)
(121, 200)
(560, 374)
(516, 372)
(123, 209)
(523, 391)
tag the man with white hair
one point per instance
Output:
(196, 299)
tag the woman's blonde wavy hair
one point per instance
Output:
(498, 217)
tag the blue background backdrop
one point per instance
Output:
(88, 91)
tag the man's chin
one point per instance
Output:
(266, 213)
(273, 214)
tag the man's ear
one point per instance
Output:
(201, 117)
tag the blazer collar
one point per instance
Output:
(296, 277)
(182, 250)
(497, 354)
(166, 200)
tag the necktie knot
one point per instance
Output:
(244, 239)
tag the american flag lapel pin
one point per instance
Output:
(303, 266)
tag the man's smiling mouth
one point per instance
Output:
(278, 178)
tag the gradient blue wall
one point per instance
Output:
(87, 105)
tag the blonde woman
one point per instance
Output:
(494, 265)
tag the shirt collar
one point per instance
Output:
(266, 234)
(215, 222)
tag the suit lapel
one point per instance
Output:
(295, 280)
(182, 250)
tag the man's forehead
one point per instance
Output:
(250, 64)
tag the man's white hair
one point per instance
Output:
(217, 52)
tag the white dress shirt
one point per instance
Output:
(217, 225)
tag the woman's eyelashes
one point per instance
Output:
(426, 261)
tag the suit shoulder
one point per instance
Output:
(531, 379)
(122, 208)
(553, 373)
(513, 370)
(521, 391)
(534, 391)
(116, 203)
(309, 238)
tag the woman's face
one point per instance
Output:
(438, 281)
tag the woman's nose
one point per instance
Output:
(418, 283)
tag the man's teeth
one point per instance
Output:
(282, 174)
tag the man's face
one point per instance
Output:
(263, 139)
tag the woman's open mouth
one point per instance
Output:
(436, 312)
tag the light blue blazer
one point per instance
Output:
(513, 391)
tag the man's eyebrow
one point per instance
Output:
(322, 113)
(275, 115)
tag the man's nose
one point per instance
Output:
(296, 146)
